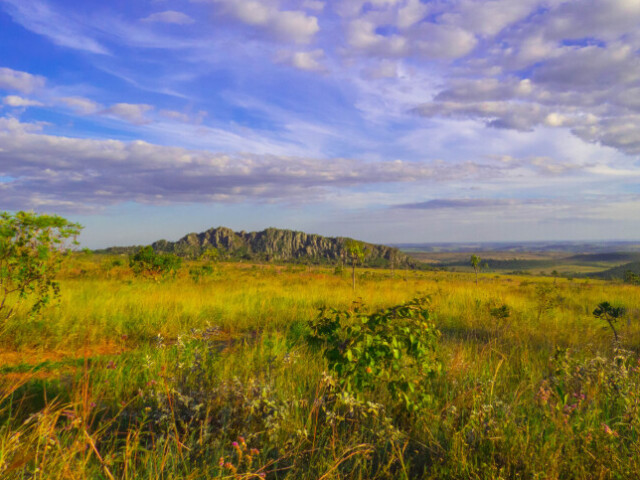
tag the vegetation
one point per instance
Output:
(31, 251)
(236, 375)
(631, 278)
(356, 252)
(609, 314)
(147, 263)
(475, 263)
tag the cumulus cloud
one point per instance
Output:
(21, 81)
(310, 61)
(81, 105)
(572, 65)
(287, 25)
(169, 16)
(130, 112)
(384, 69)
(16, 101)
(70, 171)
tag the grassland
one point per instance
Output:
(127, 378)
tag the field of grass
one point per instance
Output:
(128, 378)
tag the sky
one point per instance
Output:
(391, 121)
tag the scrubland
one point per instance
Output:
(214, 377)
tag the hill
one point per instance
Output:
(274, 244)
(618, 272)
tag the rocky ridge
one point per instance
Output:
(280, 245)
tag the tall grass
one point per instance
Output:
(131, 379)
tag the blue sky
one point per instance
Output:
(386, 120)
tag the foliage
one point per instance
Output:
(111, 402)
(547, 298)
(211, 254)
(199, 271)
(610, 314)
(147, 263)
(475, 263)
(631, 278)
(356, 252)
(394, 347)
(500, 313)
(31, 251)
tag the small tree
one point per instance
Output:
(475, 263)
(211, 254)
(356, 252)
(631, 277)
(609, 314)
(146, 262)
(31, 251)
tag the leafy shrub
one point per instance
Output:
(393, 347)
(31, 252)
(147, 263)
(631, 278)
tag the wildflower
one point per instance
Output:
(608, 430)
(221, 461)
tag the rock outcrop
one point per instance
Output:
(279, 245)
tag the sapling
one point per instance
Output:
(475, 263)
(609, 314)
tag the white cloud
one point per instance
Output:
(442, 41)
(286, 25)
(315, 5)
(184, 117)
(310, 61)
(362, 36)
(16, 101)
(411, 13)
(21, 81)
(384, 69)
(130, 112)
(169, 16)
(81, 105)
(82, 172)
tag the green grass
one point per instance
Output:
(132, 379)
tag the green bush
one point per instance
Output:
(31, 252)
(147, 263)
(394, 347)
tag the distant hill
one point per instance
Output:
(606, 257)
(525, 247)
(618, 272)
(273, 244)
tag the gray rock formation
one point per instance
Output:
(274, 244)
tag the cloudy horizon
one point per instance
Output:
(395, 121)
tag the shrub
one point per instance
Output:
(31, 252)
(393, 347)
(146, 262)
